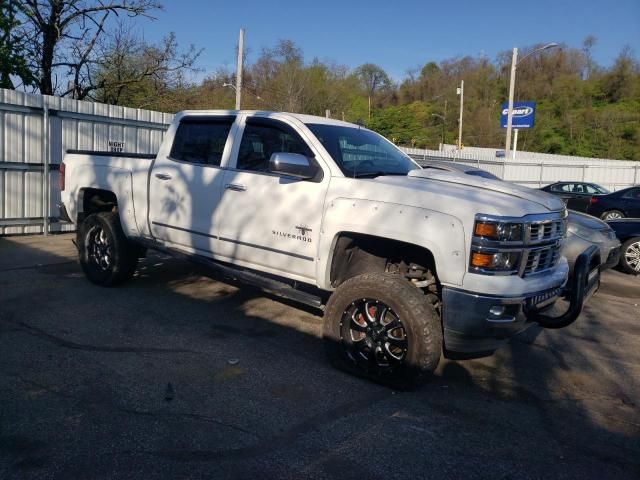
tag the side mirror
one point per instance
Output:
(292, 164)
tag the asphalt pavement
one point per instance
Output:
(178, 375)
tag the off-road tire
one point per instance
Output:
(419, 318)
(123, 254)
(624, 264)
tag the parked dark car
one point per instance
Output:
(628, 232)
(577, 195)
(621, 204)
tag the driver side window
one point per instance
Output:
(259, 142)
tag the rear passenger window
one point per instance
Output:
(635, 193)
(201, 141)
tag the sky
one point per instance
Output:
(396, 34)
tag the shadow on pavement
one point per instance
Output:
(85, 374)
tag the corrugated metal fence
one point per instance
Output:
(36, 130)
(539, 169)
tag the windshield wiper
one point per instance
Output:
(375, 174)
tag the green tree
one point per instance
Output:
(373, 79)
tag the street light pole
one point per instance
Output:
(238, 85)
(461, 92)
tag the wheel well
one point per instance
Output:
(94, 200)
(356, 253)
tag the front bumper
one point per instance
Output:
(476, 325)
(613, 258)
(609, 251)
(473, 323)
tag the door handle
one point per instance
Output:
(163, 176)
(236, 187)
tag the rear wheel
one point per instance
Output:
(379, 326)
(630, 256)
(612, 215)
(106, 256)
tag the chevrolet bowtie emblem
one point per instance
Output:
(303, 229)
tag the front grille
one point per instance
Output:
(541, 259)
(545, 231)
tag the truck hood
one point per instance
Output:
(547, 200)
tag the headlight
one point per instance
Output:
(496, 261)
(588, 234)
(499, 231)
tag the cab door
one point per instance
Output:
(268, 221)
(185, 186)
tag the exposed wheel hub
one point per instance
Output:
(373, 335)
(632, 256)
(99, 248)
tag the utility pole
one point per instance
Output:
(461, 93)
(239, 69)
(512, 83)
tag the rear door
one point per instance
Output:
(185, 186)
(631, 205)
(268, 221)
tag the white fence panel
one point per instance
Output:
(36, 130)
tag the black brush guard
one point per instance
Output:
(584, 283)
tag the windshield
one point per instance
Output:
(362, 153)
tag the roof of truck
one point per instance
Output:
(265, 113)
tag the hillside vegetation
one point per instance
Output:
(83, 49)
(582, 108)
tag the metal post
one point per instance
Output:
(239, 69)
(461, 110)
(45, 173)
(327, 113)
(515, 144)
(635, 175)
(512, 83)
(541, 175)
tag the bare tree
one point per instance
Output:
(129, 71)
(62, 36)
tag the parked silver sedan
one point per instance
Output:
(582, 232)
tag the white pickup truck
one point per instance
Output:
(407, 263)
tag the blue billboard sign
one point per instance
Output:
(524, 114)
